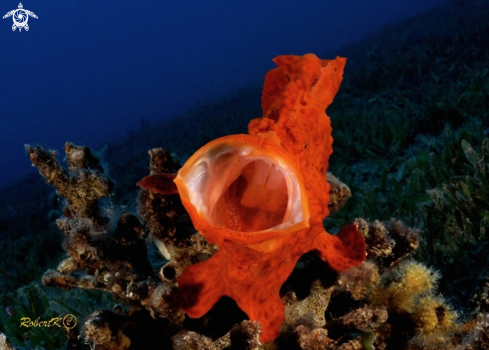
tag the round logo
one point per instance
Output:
(20, 17)
(69, 321)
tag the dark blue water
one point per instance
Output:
(90, 71)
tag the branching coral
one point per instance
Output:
(166, 219)
(243, 336)
(381, 303)
(112, 257)
(105, 253)
(388, 243)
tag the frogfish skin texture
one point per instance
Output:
(262, 197)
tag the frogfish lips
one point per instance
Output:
(244, 189)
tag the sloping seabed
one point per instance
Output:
(410, 95)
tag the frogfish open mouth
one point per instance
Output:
(262, 197)
(245, 189)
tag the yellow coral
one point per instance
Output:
(400, 289)
(410, 289)
(431, 315)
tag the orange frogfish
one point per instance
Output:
(262, 197)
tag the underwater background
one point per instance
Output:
(93, 71)
(410, 126)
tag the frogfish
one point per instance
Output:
(262, 196)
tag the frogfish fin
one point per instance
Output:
(271, 314)
(344, 250)
(200, 286)
(160, 183)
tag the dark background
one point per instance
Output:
(91, 71)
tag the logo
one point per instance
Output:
(68, 321)
(20, 17)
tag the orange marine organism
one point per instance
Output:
(262, 197)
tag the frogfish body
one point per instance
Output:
(262, 197)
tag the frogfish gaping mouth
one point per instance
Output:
(262, 197)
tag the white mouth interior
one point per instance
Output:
(242, 189)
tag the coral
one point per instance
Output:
(107, 252)
(479, 338)
(338, 193)
(408, 293)
(366, 319)
(431, 315)
(104, 329)
(351, 309)
(406, 239)
(309, 310)
(388, 242)
(388, 168)
(5, 343)
(311, 339)
(83, 186)
(359, 279)
(401, 287)
(166, 219)
(481, 300)
(262, 197)
(192, 341)
(367, 325)
(317, 339)
(243, 336)
(379, 244)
